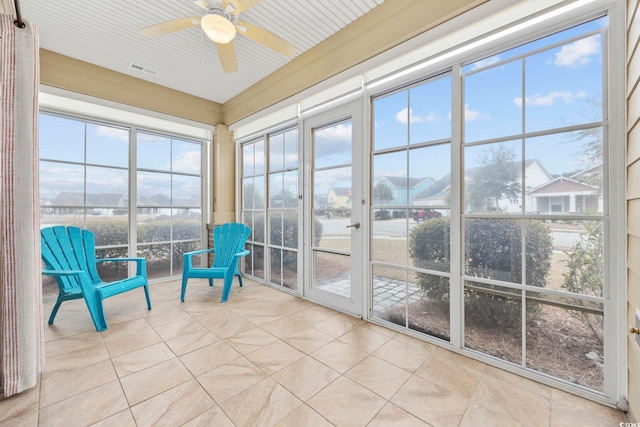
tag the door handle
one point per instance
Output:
(356, 225)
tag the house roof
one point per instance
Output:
(564, 185)
(341, 191)
(72, 198)
(401, 181)
(587, 173)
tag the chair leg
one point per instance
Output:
(239, 278)
(146, 294)
(228, 279)
(210, 281)
(54, 311)
(184, 288)
(96, 310)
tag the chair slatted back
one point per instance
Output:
(228, 239)
(69, 248)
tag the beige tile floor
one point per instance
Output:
(266, 358)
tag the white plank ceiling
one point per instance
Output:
(105, 33)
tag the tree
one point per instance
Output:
(590, 137)
(382, 193)
(496, 179)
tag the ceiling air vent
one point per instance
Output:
(143, 69)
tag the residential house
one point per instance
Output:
(579, 193)
(439, 193)
(339, 198)
(403, 190)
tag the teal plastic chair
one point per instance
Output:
(69, 256)
(228, 248)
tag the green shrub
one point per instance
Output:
(493, 251)
(285, 233)
(115, 233)
(585, 275)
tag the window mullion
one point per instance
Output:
(457, 245)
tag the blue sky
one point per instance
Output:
(562, 87)
(107, 149)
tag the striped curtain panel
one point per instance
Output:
(21, 310)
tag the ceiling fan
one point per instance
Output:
(220, 24)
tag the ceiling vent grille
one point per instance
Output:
(142, 69)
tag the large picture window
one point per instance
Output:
(87, 177)
(529, 225)
(534, 221)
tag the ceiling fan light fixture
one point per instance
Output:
(218, 28)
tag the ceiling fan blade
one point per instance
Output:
(202, 3)
(169, 26)
(227, 55)
(266, 39)
(241, 5)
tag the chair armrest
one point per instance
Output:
(141, 264)
(82, 278)
(203, 251)
(243, 253)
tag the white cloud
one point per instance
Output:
(336, 133)
(578, 53)
(189, 161)
(546, 100)
(111, 132)
(150, 138)
(486, 62)
(404, 118)
(431, 117)
(470, 114)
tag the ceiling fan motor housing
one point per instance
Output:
(216, 8)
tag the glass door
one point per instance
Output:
(334, 209)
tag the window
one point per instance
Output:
(86, 181)
(534, 200)
(276, 244)
(169, 189)
(411, 179)
(253, 205)
(529, 265)
(283, 208)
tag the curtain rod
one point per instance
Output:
(18, 22)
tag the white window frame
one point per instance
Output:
(496, 26)
(85, 107)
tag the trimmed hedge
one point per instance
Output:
(493, 250)
(116, 232)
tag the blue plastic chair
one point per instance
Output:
(69, 256)
(228, 248)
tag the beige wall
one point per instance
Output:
(77, 76)
(633, 202)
